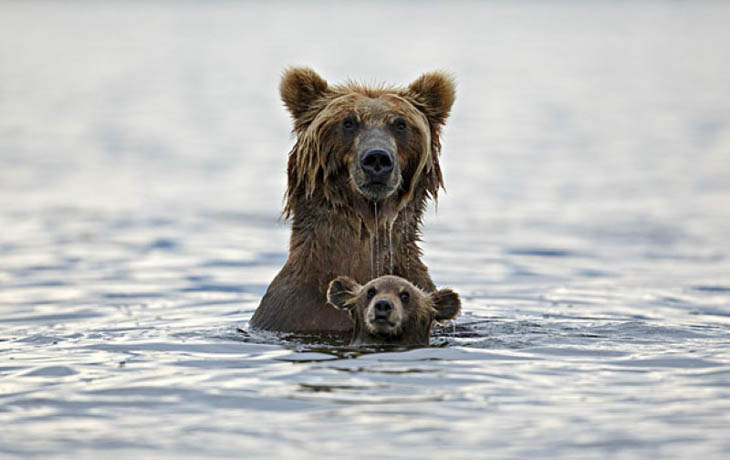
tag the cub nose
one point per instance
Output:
(377, 163)
(383, 308)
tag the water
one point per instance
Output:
(586, 227)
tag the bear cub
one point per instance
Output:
(390, 310)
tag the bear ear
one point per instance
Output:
(433, 93)
(447, 304)
(341, 291)
(300, 88)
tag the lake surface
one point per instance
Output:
(586, 226)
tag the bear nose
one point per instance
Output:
(377, 162)
(383, 308)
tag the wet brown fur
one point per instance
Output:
(333, 226)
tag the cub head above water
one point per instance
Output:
(390, 310)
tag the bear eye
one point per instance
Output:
(400, 124)
(405, 297)
(349, 123)
(371, 293)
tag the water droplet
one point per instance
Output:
(389, 244)
(375, 245)
(406, 242)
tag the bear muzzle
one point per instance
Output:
(382, 309)
(382, 317)
(378, 164)
(377, 173)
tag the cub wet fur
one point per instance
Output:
(390, 310)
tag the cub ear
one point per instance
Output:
(447, 304)
(341, 291)
(433, 93)
(300, 87)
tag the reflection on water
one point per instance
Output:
(142, 159)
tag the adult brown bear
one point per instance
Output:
(365, 162)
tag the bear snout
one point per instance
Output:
(374, 169)
(382, 309)
(378, 164)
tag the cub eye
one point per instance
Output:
(400, 124)
(371, 293)
(405, 297)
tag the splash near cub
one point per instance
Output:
(364, 165)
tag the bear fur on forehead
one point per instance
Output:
(360, 174)
(391, 311)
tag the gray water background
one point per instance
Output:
(586, 226)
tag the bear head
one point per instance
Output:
(357, 142)
(389, 310)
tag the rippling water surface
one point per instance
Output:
(586, 227)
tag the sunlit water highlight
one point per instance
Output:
(586, 228)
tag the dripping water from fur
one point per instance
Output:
(389, 245)
(375, 245)
(405, 242)
(376, 257)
